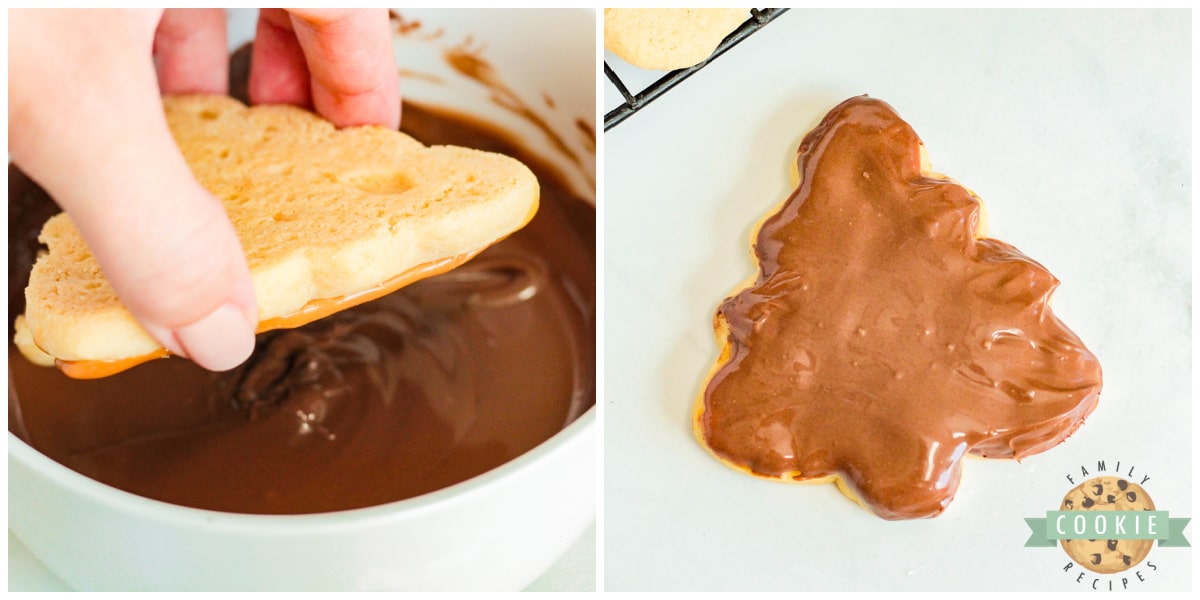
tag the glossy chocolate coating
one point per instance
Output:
(421, 389)
(881, 341)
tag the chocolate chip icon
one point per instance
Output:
(1110, 493)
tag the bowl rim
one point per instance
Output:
(148, 509)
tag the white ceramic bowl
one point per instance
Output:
(497, 531)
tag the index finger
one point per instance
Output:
(353, 68)
(190, 51)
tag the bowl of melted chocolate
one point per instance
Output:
(439, 437)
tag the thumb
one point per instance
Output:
(107, 156)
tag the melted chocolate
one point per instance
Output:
(881, 341)
(426, 387)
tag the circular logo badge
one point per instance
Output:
(1107, 493)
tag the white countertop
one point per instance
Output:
(1075, 129)
(574, 572)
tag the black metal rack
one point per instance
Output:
(759, 17)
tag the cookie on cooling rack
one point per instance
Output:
(668, 38)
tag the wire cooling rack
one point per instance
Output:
(759, 17)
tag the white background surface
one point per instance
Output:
(1074, 127)
(575, 571)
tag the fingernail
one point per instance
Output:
(220, 341)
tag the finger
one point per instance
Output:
(352, 65)
(107, 156)
(191, 53)
(278, 71)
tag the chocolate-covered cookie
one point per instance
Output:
(884, 337)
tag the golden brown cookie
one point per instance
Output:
(1107, 493)
(668, 38)
(328, 219)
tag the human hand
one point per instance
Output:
(86, 122)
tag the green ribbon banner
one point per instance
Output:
(1107, 525)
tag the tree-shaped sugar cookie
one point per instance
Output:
(884, 339)
(327, 218)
